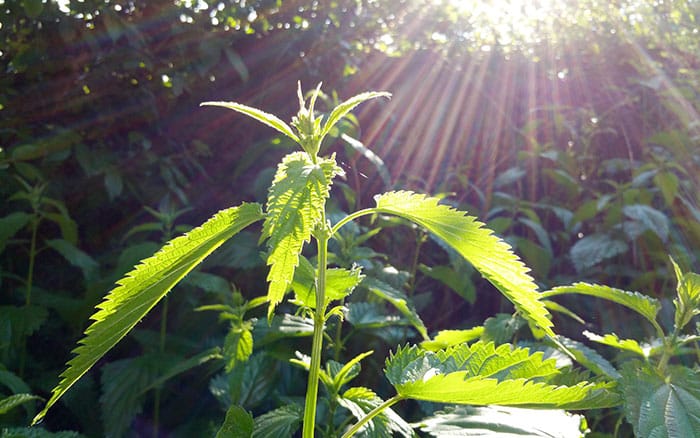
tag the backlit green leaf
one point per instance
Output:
(141, 289)
(11, 402)
(491, 256)
(295, 206)
(345, 107)
(482, 374)
(339, 283)
(646, 306)
(259, 115)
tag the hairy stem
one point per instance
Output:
(317, 343)
(373, 413)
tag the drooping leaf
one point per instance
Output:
(646, 306)
(143, 287)
(345, 107)
(481, 374)
(280, 422)
(399, 300)
(360, 401)
(502, 422)
(593, 249)
(76, 257)
(237, 424)
(661, 406)
(259, 115)
(295, 207)
(491, 256)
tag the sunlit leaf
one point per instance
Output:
(269, 119)
(646, 306)
(142, 288)
(339, 283)
(15, 400)
(347, 106)
(612, 340)
(449, 338)
(295, 205)
(590, 358)
(492, 257)
(482, 375)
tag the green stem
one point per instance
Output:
(373, 413)
(28, 293)
(317, 343)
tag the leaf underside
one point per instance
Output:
(295, 206)
(491, 256)
(141, 289)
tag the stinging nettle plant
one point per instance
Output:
(295, 215)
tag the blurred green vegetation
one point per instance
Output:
(572, 131)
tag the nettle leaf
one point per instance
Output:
(237, 424)
(650, 218)
(141, 289)
(339, 283)
(345, 107)
(646, 306)
(687, 302)
(280, 422)
(491, 256)
(364, 315)
(238, 346)
(295, 206)
(15, 400)
(399, 300)
(482, 375)
(661, 406)
(360, 401)
(590, 358)
(502, 422)
(11, 224)
(612, 340)
(259, 115)
(591, 250)
(76, 257)
(449, 338)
